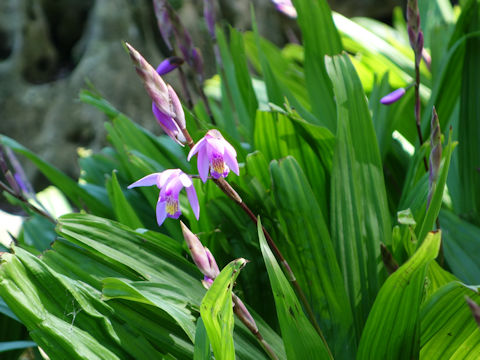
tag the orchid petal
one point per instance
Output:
(203, 164)
(161, 212)
(185, 180)
(193, 199)
(168, 125)
(165, 176)
(177, 108)
(217, 145)
(230, 157)
(148, 180)
(173, 187)
(196, 148)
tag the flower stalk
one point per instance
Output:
(415, 36)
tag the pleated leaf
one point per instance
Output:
(320, 38)
(461, 246)
(469, 124)
(360, 218)
(392, 330)
(299, 336)
(309, 251)
(449, 330)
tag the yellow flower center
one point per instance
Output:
(218, 165)
(172, 206)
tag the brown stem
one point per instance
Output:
(27, 203)
(189, 139)
(252, 327)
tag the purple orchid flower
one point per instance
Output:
(169, 64)
(286, 7)
(214, 154)
(170, 182)
(394, 96)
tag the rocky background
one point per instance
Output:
(50, 48)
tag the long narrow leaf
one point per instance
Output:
(300, 338)
(359, 211)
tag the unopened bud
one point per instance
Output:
(199, 254)
(243, 313)
(394, 96)
(169, 64)
(154, 84)
(209, 15)
(177, 108)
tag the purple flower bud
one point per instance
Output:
(177, 108)
(209, 15)
(163, 20)
(169, 64)
(200, 257)
(394, 96)
(207, 282)
(419, 43)
(243, 313)
(411, 37)
(154, 84)
(435, 158)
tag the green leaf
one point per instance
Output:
(169, 298)
(320, 37)
(277, 136)
(202, 344)
(300, 338)
(237, 97)
(217, 313)
(121, 207)
(461, 246)
(360, 218)
(307, 247)
(392, 330)
(449, 330)
(469, 124)
(437, 197)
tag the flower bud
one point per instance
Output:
(177, 108)
(199, 254)
(154, 84)
(394, 96)
(209, 15)
(169, 64)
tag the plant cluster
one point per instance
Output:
(350, 230)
